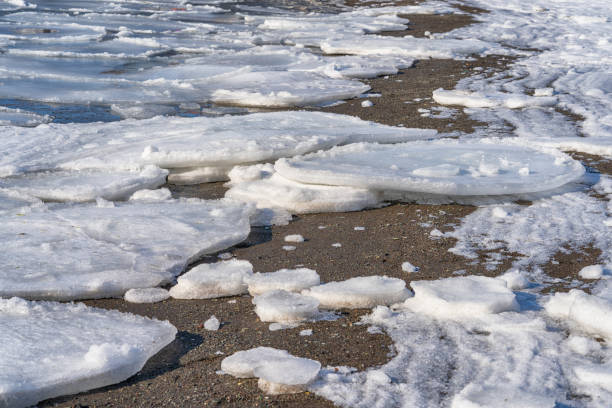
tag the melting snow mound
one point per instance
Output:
(291, 280)
(207, 281)
(84, 348)
(461, 297)
(448, 167)
(590, 312)
(285, 307)
(360, 292)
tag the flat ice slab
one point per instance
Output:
(405, 47)
(85, 185)
(68, 252)
(285, 307)
(448, 167)
(207, 281)
(291, 280)
(461, 297)
(360, 292)
(50, 349)
(278, 371)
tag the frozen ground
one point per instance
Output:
(84, 214)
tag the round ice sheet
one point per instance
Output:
(453, 168)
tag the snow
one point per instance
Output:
(515, 279)
(591, 313)
(94, 251)
(212, 324)
(360, 292)
(291, 280)
(367, 104)
(461, 297)
(289, 248)
(84, 348)
(480, 100)
(206, 281)
(480, 168)
(285, 307)
(294, 238)
(242, 363)
(146, 295)
(591, 272)
(306, 332)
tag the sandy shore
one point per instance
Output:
(184, 373)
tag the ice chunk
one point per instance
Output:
(461, 297)
(197, 175)
(291, 280)
(592, 272)
(242, 363)
(408, 267)
(277, 191)
(141, 111)
(51, 349)
(515, 279)
(478, 168)
(480, 100)
(206, 281)
(294, 238)
(405, 47)
(360, 292)
(146, 295)
(590, 312)
(288, 376)
(160, 194)
(87, 251)
(212, 324)
(285, 307)
(85, 185)
(306, 332)
(366, 104)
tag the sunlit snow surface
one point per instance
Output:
(51, 349)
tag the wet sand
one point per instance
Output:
(184, 373)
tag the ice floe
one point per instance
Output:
(90, 251)
(285, 307)
(451, 168)
(206, 281)
(291, 280)
(360, 292)
(84, 348)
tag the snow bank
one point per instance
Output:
(360, 292)
(84, 348)
(207, 281)
(291, 280)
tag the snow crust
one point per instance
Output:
(206, 281)
(93, 251)
(360, 292)
(84, 348)
(291, 280)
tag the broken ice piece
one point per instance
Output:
(214, 280)
(285, 307)
(146, 295)
(50, 349)
(294, 238)
(287, 376)
(291, 280)
(409, 268)
(289, 247)
(212, 324)
(464, 296)
(591, 272)
(360, 292)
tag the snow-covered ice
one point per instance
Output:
(360, 292)
(213, 280)
(285, 307)
(446, 167)
(291, 280)
(460, 297)
(68, 252)
(288, 376)
(146, 295)
(51, 349)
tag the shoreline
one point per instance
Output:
(184, 373)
